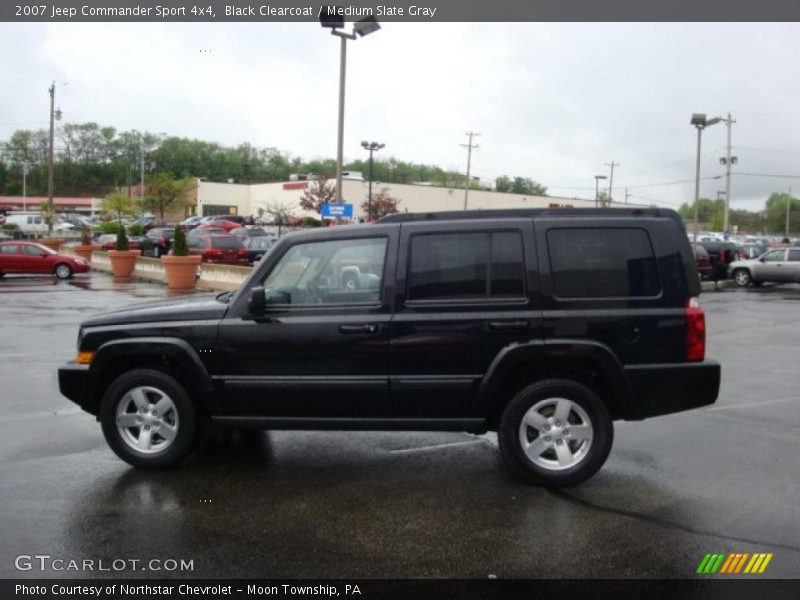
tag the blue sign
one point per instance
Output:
(337, 211)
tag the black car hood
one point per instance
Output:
(200, 308)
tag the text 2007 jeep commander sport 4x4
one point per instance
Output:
(545, 325)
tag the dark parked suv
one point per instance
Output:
(544, 325)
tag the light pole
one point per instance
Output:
(25, 166)
(597, 179)
(328, 18)
(371, 147)
(700, 122)
(55, 115)
(728, 160)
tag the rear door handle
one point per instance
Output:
(365, 328)
(508, 325)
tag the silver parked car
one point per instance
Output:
(779, 265)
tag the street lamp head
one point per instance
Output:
(600, 177)
(713, 121)
(331, 18)
(698, 120)
(365, 145)
(366, 26)
(380, 146)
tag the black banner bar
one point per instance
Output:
(529, 589)
(402, 10)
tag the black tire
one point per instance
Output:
(187, 419)
(592, 453)
(742, 278)
(62, 271)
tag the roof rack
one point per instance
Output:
(504, 213)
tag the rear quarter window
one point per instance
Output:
(602, 263)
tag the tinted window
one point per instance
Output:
(601, 263)
(8, 249)
(466, 266)
(226, 242)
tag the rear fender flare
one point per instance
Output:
(488, 397)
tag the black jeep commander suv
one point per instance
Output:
(544, 325)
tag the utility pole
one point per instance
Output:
(627, 195)
(52, 91)
(25, 167)
(788, 211)
(728, 159)
(141, 182)
(469, 148)
(613, 164)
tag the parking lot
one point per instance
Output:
(359, 505)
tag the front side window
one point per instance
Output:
(466, 266)
(774, 256)
(602, 263)
(329, 272)
(794, 255)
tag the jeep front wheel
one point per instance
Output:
(555, 433)
(148, 419)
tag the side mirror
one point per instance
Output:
(257, 303)
(278, 297)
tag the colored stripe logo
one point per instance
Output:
(734, 563)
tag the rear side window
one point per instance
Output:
(602, 263)
(226, 243)
(466, 266)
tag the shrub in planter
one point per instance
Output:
(180, 267)
(123, 260)
(85, 248)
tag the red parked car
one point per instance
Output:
(225, 249)
(219, 224)
(108, 241)
(29, 257)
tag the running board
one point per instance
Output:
(347, 424)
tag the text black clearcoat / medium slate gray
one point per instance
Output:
(417, 357)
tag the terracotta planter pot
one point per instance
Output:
(54, 243)
(85, 251)
(180, 271)
(123, 262)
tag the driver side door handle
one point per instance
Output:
(365, 328)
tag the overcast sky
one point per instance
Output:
(553, 102)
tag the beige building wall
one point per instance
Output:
(413, 198)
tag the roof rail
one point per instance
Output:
(510, 213)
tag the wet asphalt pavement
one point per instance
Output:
(357, 505)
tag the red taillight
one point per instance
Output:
(695, 331)
(213, 252)
(243, 251)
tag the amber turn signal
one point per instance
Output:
(85, 357)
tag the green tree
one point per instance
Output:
(120, 205)
(179, 245)
(164, 191)
(503, 184)
(776, 213)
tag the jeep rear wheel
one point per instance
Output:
(555, 433)
(149, 420)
